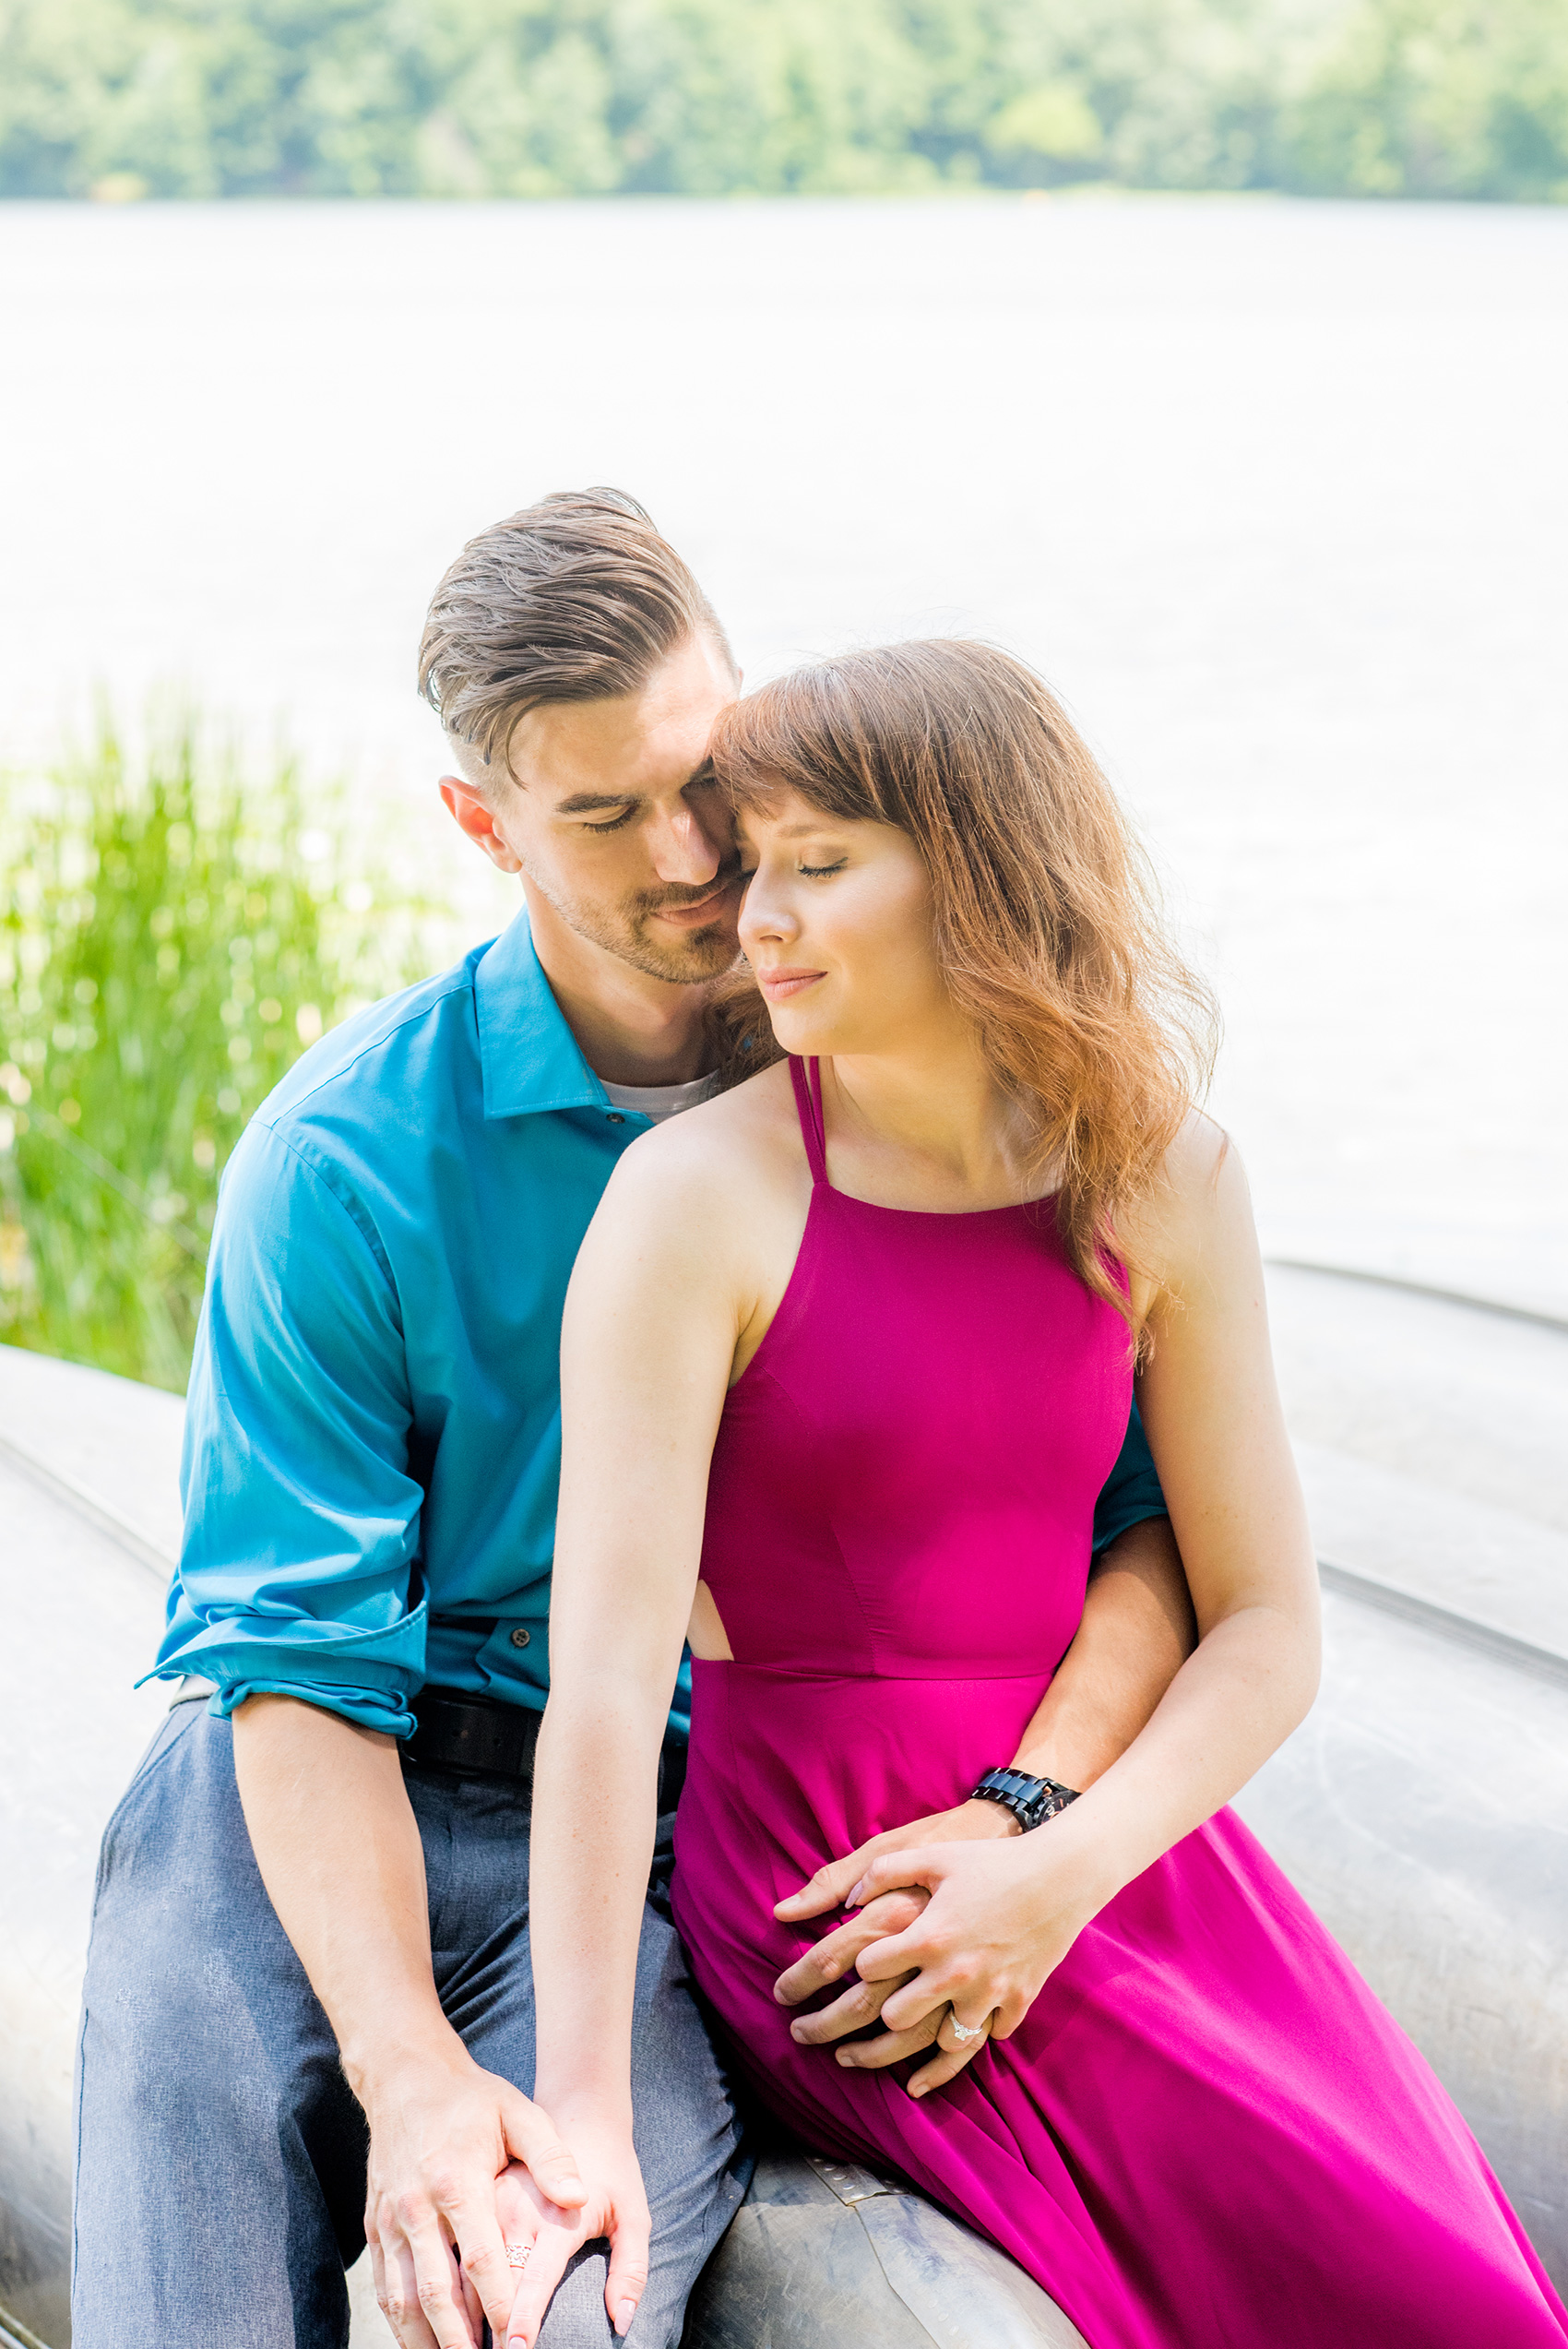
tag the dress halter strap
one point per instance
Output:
(807, 1079)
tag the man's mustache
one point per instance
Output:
(684, 894)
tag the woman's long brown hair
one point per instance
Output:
(1047, 924)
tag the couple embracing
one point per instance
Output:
(820, 1507)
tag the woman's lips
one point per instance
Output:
(777, 985)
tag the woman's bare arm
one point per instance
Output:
(652, 1316)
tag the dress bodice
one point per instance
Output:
(905, 1476)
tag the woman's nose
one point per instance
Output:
(764, 918)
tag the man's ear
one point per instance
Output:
(473, 814)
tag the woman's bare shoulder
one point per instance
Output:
(1197, 1218)
(1197, 1162)
(738, 1150)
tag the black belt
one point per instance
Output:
(484, 1737)
(472, 1736)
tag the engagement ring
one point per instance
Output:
(966, 2031)
(517, 2254)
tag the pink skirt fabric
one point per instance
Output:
(1207, 2134)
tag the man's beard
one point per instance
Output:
(623, 931)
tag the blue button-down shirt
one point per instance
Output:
(373, 1436)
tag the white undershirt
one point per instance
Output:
(660, 1102)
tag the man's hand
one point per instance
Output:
(614, 2207)
(892, 1912)
(445, 2137)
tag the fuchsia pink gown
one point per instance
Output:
(1207, 2134)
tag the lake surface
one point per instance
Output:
(1275, 494)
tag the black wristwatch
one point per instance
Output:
(1031, 1800)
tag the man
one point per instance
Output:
(308, 2006)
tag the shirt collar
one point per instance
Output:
(528, 1057)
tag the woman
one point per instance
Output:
(847, 1356)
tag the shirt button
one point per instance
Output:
(520, 1637)
(614, 1118)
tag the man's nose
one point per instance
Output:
(685, 849)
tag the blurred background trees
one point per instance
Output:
(539, 98)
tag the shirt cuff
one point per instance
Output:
(368, 1678)
(1135, 1510)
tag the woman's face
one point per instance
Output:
(837, 924)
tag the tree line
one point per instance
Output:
(546, 98)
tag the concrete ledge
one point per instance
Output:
(106, 1444)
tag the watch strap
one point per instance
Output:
(1031, 1800)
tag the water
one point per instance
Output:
(1273, 493)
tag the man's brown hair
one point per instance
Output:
(573, 598)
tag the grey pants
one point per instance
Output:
(221, 2170)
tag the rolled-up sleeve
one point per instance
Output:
(1132, 1491)
(298, 1572)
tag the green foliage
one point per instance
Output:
(531, 98)
(1438, 97)
(170, 941)
(1053, 121)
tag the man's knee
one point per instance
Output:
(190, 1977)
(186, 2034)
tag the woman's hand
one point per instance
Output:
(890, 1913)
(1000, 1917)
(830, 1887)
(541, 2237)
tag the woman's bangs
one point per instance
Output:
(786, 740)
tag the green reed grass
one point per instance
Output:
(174, 929)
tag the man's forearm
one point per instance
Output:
(1137, 1632)
(339, 1854)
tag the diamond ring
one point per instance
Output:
(517, 2254)
(966, 2032)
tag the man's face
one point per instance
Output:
(610, 814)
